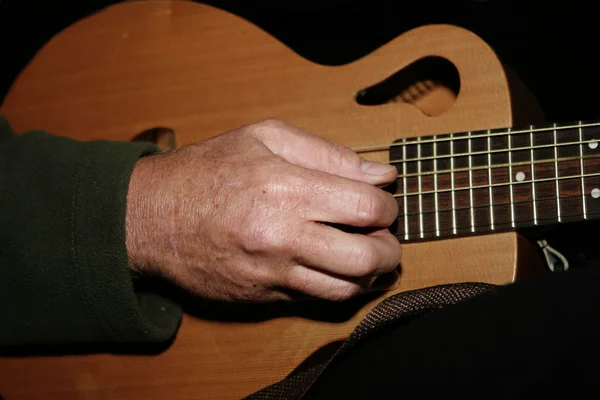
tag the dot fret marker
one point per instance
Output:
(520, 176)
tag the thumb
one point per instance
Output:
(310, 151)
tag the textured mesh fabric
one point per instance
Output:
(394, 310)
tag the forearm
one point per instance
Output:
(63, 259)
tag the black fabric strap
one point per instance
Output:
(394, 310)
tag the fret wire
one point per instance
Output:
(583, 200)
(452, 185)
(533, 176)
(405, 192)
(556, 175)
(381, 147)
(420, 189)
(561, 178)
(510, 174)
(478, 153)
(435, 188)
(527, 163)
(497, 204)
(471, 186)
(489, 145)
(542, 219)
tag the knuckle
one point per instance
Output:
(271, 125)
(348, 154)
(265, 129)
(370, 208)
(344, 291)
(279, 190)
(335, 160)
(365, 260)
(260, 238)
(339, 157)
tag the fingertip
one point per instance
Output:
(381, 173)
(376, 168)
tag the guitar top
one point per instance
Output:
(200, 71)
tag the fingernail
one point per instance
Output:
(375, 168)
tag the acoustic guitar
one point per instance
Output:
(476, 163)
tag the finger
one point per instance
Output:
(308, 150)
(319, 284)
(337, 200)
(348, 255)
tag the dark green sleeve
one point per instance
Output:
(63, 261)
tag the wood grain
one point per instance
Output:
(200, 72)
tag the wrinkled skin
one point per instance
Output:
(256, 214)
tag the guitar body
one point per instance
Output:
(201, 71)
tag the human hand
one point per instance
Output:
(253, 215)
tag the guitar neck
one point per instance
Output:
(473, 183)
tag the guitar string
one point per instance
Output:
(445, 138)
(446, 233)
(499, 185)
(487, 152)
(437, 139)
(505, 165)
(495, 205)
(437, 211)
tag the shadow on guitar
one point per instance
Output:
(210, 310)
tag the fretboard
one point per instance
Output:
(481, 182)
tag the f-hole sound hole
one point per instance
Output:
(431, 84)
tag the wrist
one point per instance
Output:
(139, 253)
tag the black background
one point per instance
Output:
(553, 47)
